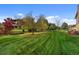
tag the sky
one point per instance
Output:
(64, 11)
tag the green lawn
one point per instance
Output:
(50, 43)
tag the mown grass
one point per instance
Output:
(50, 43)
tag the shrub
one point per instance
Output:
(73, 32)
(52, 27)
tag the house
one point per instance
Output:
(14, 23)
(74, 28)
(77, 18)
(17, 23)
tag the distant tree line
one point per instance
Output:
(28, 23)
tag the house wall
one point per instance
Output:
(77, 26)
(77, 22)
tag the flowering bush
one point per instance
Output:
(8, 25)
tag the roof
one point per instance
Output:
(77, 13)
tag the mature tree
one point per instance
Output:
(1, 29)
(64, 26)
(1, 25)
(52, 26)
(28, 23)
(8, 25)
(42, 23)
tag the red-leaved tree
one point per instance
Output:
(8, 25)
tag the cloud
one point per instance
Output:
(20, 14)
(4, 17)
(1, 20)
(70, 21)
(50, 19)
(54, 19)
